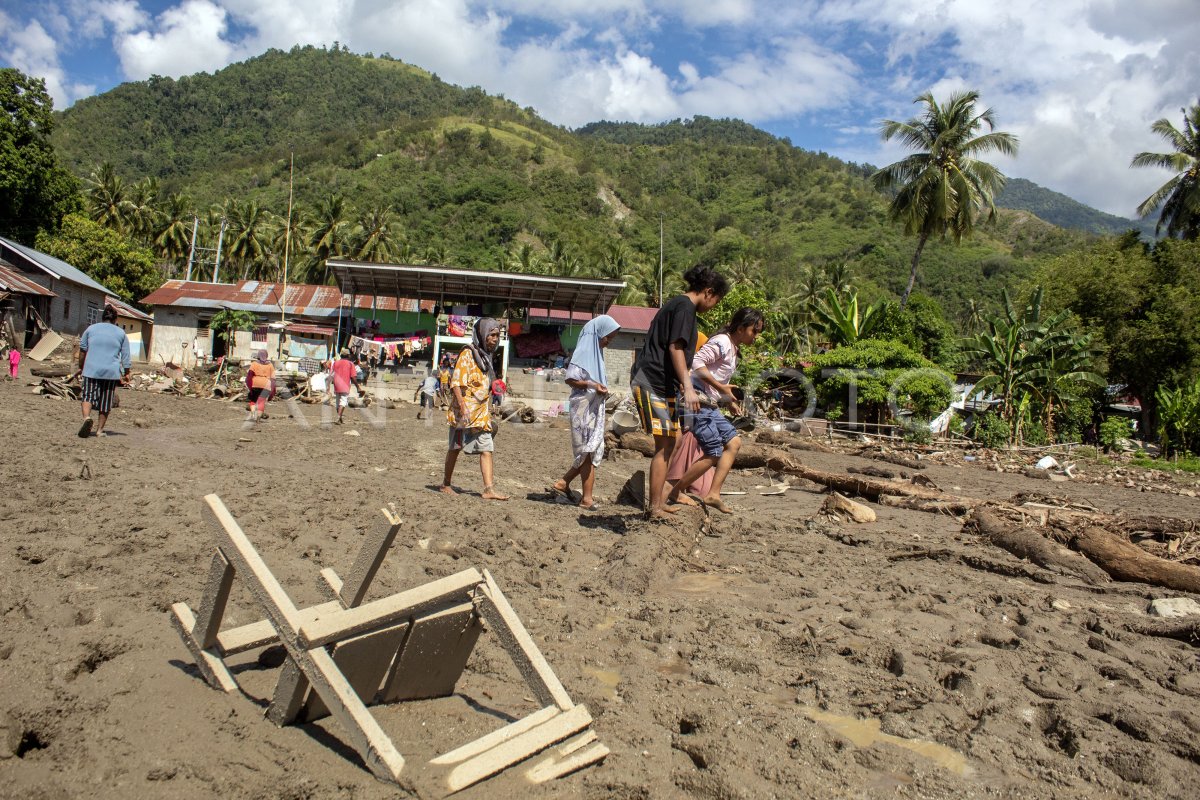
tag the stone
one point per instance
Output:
(1171, 607)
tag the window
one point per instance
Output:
(260, 334)
(202, 328)
(93, 313)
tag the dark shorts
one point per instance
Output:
(712, 430)
(657, 414)
(257, 393)
(99, 392)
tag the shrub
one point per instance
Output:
(1114, 429)
(993, 430)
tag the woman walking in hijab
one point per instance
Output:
(589, 391)
(260, 380)
(470, 414)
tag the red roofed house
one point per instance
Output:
(621, 351)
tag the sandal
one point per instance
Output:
(85, 430)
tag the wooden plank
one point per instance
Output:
(518, 748)
(334, 583)
(258, 634)
(434, 655)
(216, 597)
(364, 733)
(290, 692)
(521, 647)
(45, 346)
(381, 613)
(364, 661)
(370, 557)
(215, 673)
(499, 736)
(558, 766)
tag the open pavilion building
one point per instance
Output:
(463, 295)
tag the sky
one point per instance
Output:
(1078, 81)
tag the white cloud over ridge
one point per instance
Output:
(1079, 81)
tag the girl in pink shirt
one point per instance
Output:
(14, 360)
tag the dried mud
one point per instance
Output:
(766, 654)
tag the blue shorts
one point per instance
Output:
(712, 431)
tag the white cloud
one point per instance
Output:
(1079, 80)
(185, 39)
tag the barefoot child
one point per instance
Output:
(260, 380)
(712, 368)
(589, 391)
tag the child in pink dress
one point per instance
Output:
(14, 360)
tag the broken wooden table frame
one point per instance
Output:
(344, 654)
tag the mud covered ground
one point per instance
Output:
(767, 654)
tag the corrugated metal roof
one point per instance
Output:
(52, 265)
(126, 310)
(450, 284)
(302, 298)
(633, 319)
(13, 281)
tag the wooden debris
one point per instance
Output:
(415, 644)
(839, 505)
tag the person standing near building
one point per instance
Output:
(104, 362)
(470, 414)
(664, 368)
(260, 380)
(345, 372)
(14, 362)
(427, 393)
(589, 392)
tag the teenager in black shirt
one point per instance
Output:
(664, 368)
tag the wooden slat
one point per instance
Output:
(364, 661)
(216, 597)
(518, 748)
(290, 691)
(210, 665)
(557, 766)
(521, 647)
(434, 654)
(364, 733)
(370, 557)
(380, 613)
(499, 736)
(258, 634)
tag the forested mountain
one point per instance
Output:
(1060, 210)
(464, 178)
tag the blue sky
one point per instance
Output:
(1079, 81)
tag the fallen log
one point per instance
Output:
(1031, 545)
(892, 458)
(873, 472)
(839, 505)
(1125, 561)
(1185, 630)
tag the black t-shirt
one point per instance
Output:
(674, 322)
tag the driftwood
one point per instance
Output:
(1125, 561)
(874, 472)
(788, 439)
(892, 458)
(1032, 545)
(1185, 630)
(839, 505)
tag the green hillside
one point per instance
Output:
(1060, 210)
(473, 180)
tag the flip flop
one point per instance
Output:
(568, 493)
(85, 430)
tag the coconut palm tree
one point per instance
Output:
(248, 236)
(143, 213)
(173, 238)
(943, 187)
(375, 235)
(1179, 198)
(106, 198)
(330, 230)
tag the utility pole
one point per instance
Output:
(220, 239)
(192, 248)
(287, 241)
(660, 260)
